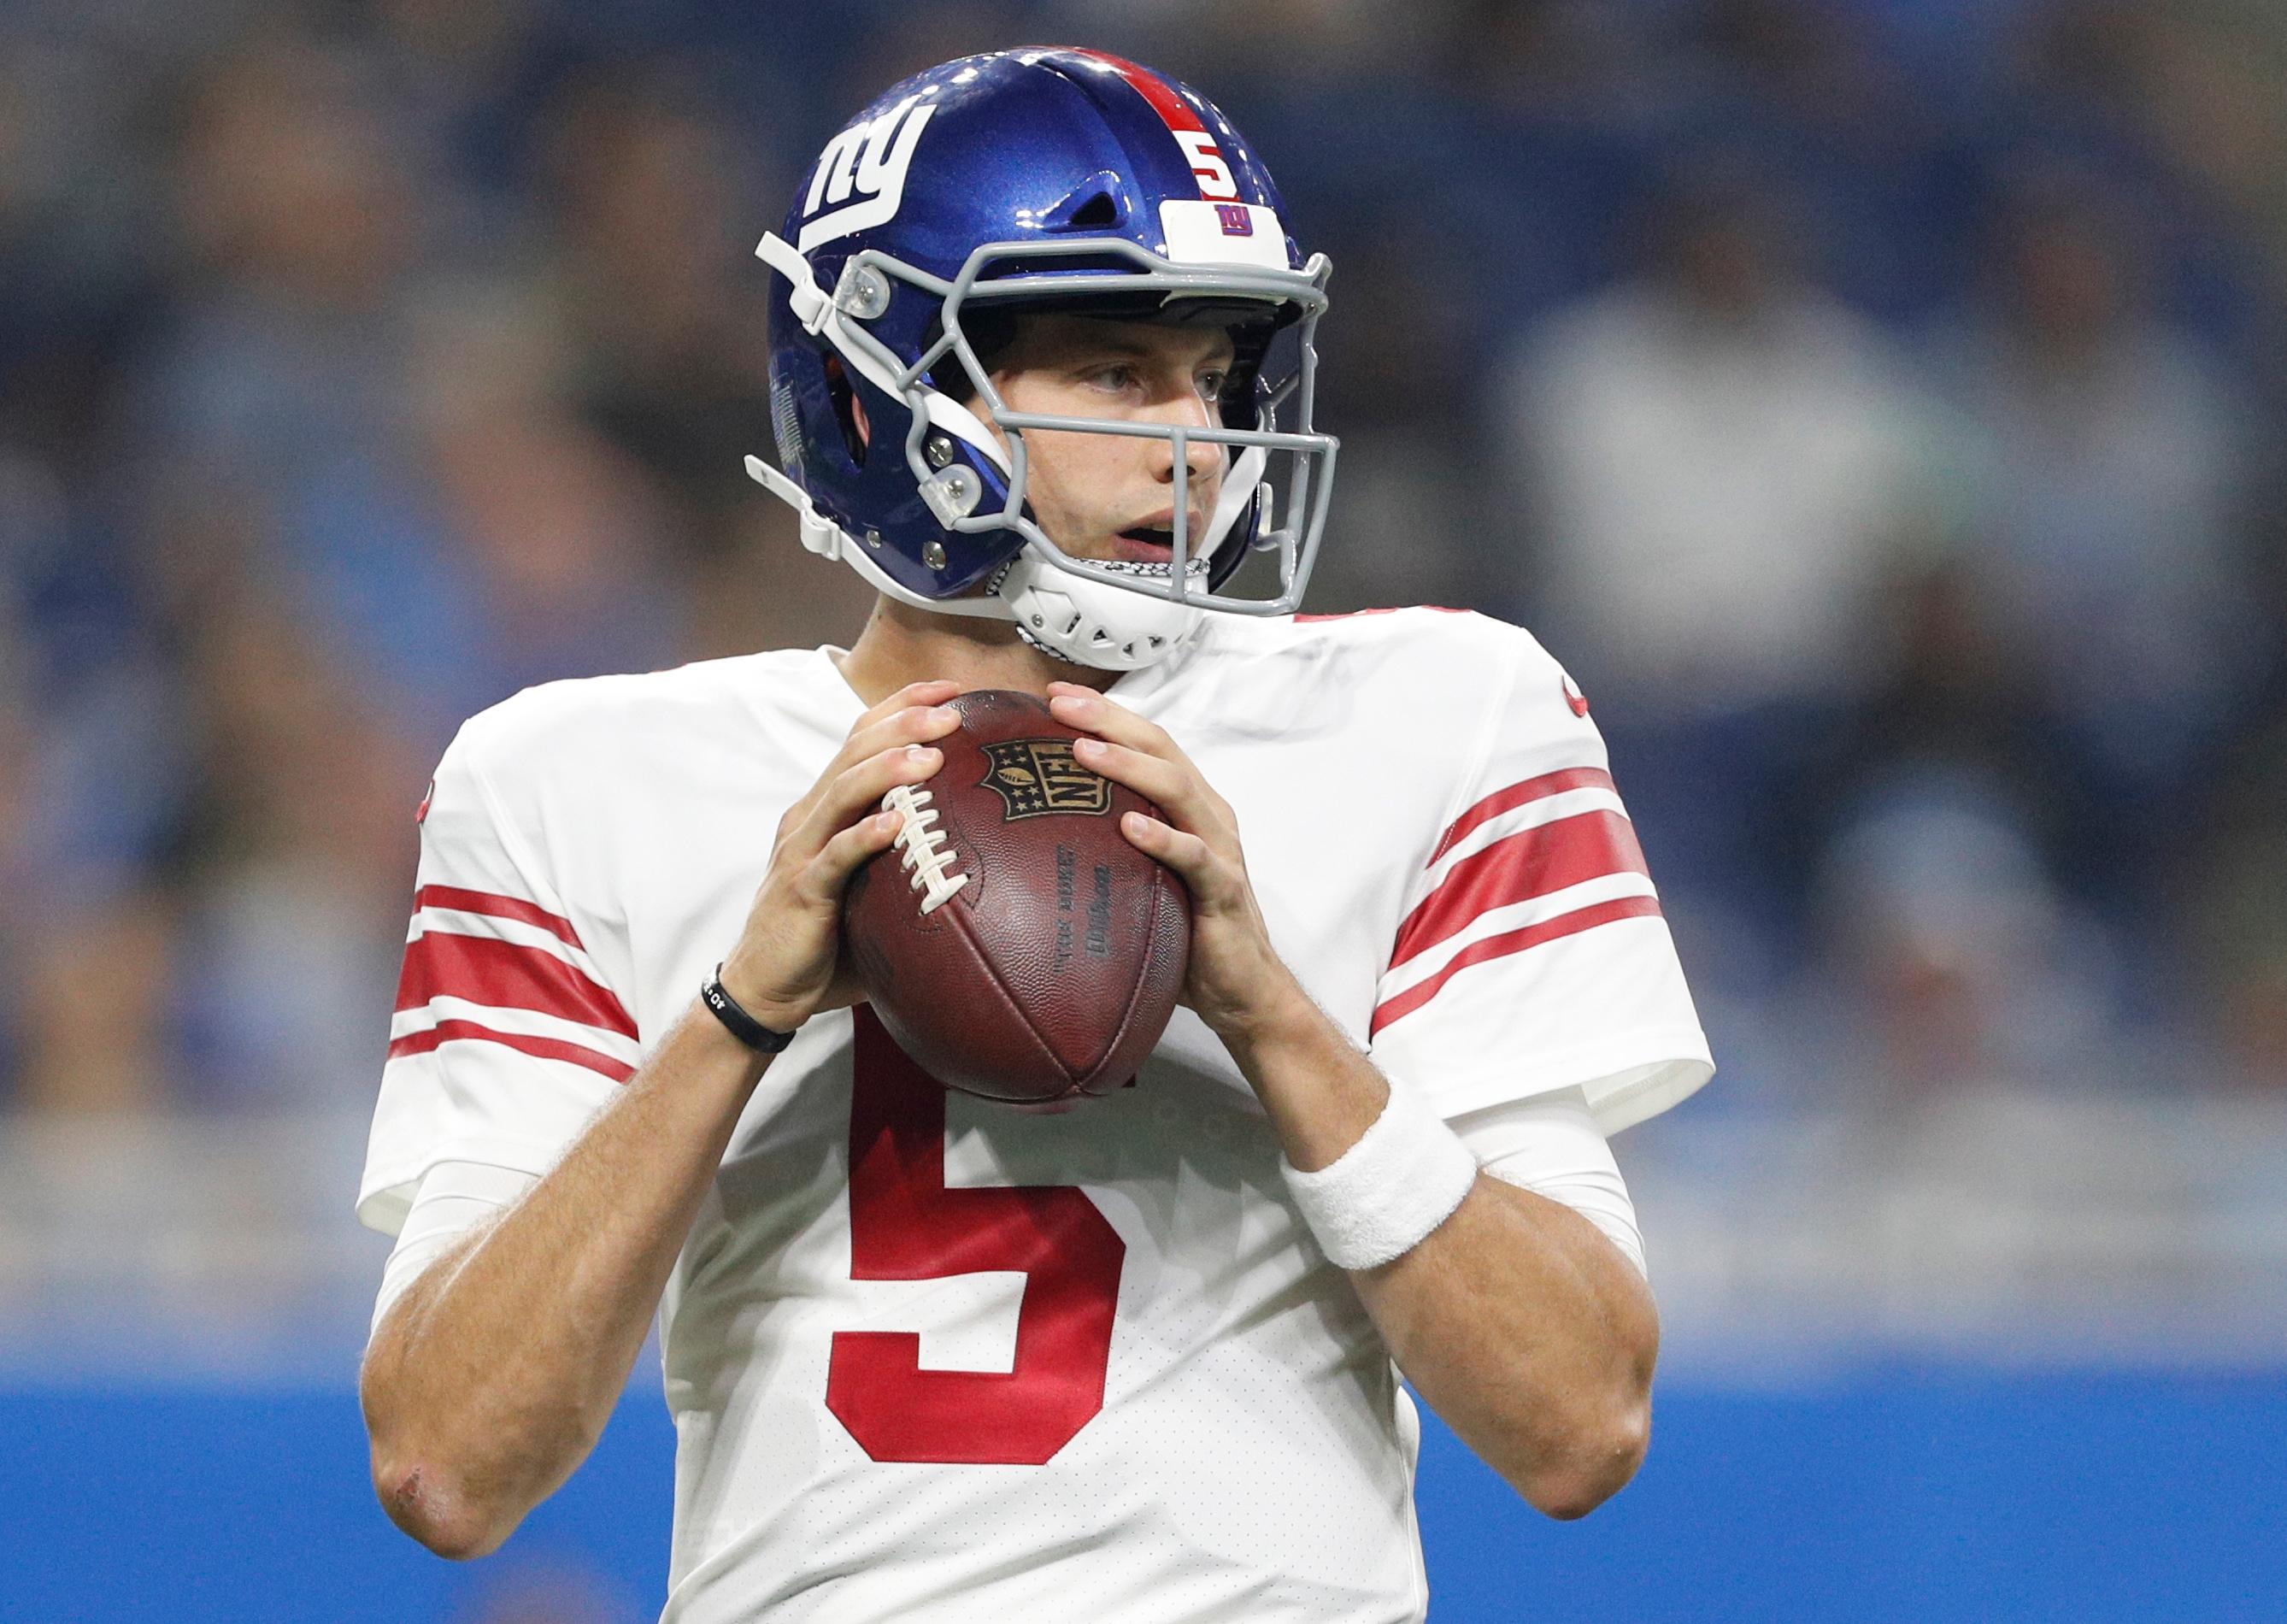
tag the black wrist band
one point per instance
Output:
(742, 1026)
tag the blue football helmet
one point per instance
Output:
(1025, 180)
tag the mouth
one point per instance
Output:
(1149, 549)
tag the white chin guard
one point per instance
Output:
(1090, 623)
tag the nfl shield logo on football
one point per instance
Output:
(1035, 777)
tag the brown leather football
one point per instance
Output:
(1013, 942)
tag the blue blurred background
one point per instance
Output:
(1877, 404)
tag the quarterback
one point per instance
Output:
(1042, 373)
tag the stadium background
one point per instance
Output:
(1876, 404)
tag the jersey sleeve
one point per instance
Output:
(507, 1035)
(1530, 954)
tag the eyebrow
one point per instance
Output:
(1117, 344)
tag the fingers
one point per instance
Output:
(915, 714)
(825, 874)
(934, 692)
(1130, 750)
(913, 724)
(1165, 783)
(1199, 835)
(851, 791)
(1086, 708)
(786, 958)
(887, 729)
(1191, 858)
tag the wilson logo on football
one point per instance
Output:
(870, 160)
(1035, 777)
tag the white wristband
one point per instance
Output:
(1379, 1199)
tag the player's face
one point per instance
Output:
(1113, 495)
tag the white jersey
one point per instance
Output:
(931, 1357)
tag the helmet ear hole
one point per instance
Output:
(1096, 204)
(845, 413)
(1099, 213)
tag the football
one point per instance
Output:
(1012, 941)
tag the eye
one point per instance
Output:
(1115, 377)
(1213, 383)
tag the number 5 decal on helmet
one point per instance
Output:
(1214, 175)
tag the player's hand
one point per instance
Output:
(786, 966)
(1234, 976)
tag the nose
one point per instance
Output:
(1189, 410)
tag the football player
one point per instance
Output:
(1042, 374)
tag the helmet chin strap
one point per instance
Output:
(828, 540)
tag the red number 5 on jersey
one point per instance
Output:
(905, 1224)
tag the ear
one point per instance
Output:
(857, 415)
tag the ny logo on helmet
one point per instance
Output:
(870, 158)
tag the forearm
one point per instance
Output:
(490, 1381)
(1526, 1330)
(1515, 1318)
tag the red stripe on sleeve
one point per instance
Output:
(498, 908)
(1530, 863)
(547, 1049)
(1513, 941)
(1517, 795)
(505, 975)
(1354, 615)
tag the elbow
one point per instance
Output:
(1595, 1465)
(425, 1484)
(437, 1514)
(457, 1497)
(424, 1489)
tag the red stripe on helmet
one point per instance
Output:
(1173, 109)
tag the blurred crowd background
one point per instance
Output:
(1877, 404)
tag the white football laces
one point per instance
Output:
(923, 850)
